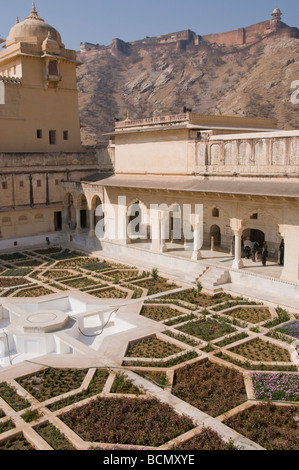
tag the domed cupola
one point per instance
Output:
(276, 15)
(33, 30)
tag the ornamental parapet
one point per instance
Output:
(270, 153)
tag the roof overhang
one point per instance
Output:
(197, 184)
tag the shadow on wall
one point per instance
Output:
(105, 157)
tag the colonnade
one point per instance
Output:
(158, 224)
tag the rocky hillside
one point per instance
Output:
(146, 81)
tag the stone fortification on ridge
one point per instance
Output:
(272, 28)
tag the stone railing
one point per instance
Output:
(266, 153)
(161, 120)
(11, 161)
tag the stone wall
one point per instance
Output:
(250, 34)
(238, 37)
(31, 190)
(274, 154)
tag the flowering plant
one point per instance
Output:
(283, 387)
(291, 329)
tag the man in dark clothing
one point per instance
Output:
(264, 253)
(281, 253)
(247, 247)
(255, 247)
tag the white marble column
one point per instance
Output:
(65, 221)
(122, 222)
(197, 241)
(238, 262)
(237, 226)
(78, 220)
(91, 223)
(155, 230)
(163, 222)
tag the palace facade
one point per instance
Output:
(231, 178)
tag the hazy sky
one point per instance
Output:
(99, 21)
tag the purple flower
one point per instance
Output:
(283, 387)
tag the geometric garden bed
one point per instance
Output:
(127, 421)
(229, 359)
(272, 427)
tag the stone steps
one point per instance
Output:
(214, 277)
(59, 239)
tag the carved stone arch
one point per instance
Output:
(176, 222)
(81, 206)
(228, 153)
(81, 199)
(216, 154)
(254, 234)
(278, 156)
(245, 154)
(246, 216)
(141, 204)
(294, 152)
(209, 208)
(175, 203)
(215, 232)
(96, 214)
(260, 152)
(93, 202)
(68, 198)
(213, 222)
(136, 200)
(142, 227)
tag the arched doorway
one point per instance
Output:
(97, 218)
(175, 232)
(215, 232)
(254, 235)
(136, 226)
(82, 205)
(96, 205)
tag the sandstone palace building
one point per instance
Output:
(242, 171)
(40, 128)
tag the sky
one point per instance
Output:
(99, 21)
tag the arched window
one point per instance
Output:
(53, 68)
(215, 212)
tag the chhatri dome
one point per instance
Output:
(277, 13)
(32, 30)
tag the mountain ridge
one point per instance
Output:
(161, 75)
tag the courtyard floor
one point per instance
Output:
(194, 370)
(220, 258)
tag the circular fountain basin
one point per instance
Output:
(43, 321)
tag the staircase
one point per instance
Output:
(213, 278)
(60, 239)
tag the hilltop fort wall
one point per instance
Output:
(250, 34)
(239, 37)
